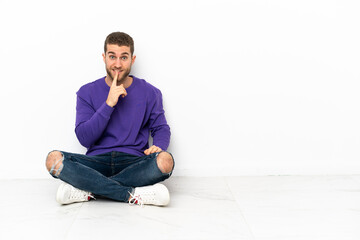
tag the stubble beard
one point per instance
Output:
(122, 77)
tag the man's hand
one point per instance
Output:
(152, 149)
(115, 92)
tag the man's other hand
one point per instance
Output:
(152, 149)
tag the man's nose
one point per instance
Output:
(118, 62)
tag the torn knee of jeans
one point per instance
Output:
(165, 162)
(57, 164)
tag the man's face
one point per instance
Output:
(118, 59)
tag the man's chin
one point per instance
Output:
(121, 78)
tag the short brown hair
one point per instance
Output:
(120, 39)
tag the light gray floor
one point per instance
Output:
(272, 207)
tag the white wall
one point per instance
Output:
(250, 87)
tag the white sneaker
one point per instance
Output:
(156, 194)
(67, 194)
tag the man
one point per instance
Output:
(114, 117)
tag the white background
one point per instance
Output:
(249, 87)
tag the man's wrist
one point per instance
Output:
(109, 104)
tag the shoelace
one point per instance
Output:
(80, 194)
(136, 200)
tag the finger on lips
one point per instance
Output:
(115, 79)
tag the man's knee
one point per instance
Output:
(54, 162)
(165, 162)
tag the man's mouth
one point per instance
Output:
(116, 71)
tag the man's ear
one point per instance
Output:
(133, 59)
(103, 57)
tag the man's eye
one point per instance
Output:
(112, 57)
(124, 58)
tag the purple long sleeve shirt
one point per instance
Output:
(124, 128)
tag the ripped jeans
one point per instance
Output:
(113, 175)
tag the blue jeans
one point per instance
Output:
(112, 175)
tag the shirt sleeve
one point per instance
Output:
(160, 130)
(90, 123)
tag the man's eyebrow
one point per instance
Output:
(124, 53)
